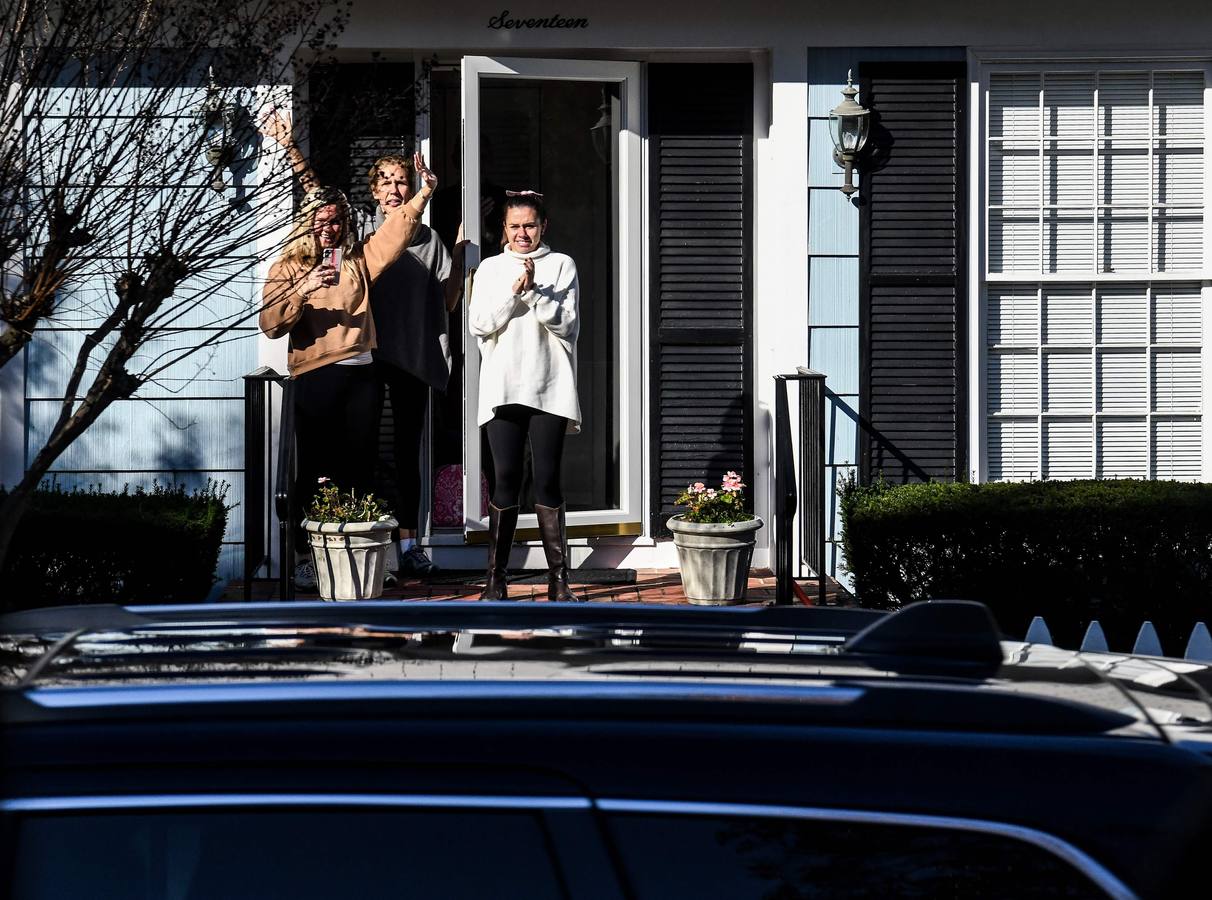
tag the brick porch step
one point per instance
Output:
(650, 586)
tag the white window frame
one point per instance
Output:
(981, 65)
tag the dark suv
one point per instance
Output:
(540, 750)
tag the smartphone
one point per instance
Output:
(332, 257)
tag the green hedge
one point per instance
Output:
(86, 546)
(1118, 551)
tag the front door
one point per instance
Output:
(568, 129)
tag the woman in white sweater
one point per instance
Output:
(523, 309)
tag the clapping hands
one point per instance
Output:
(525, 281)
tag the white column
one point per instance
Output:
(780, 248)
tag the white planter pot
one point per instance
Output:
(350, 557)
(714, 559)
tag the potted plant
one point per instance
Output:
(715, 538)
(350, 537)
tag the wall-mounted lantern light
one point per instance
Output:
(848, 126)
(218, 119)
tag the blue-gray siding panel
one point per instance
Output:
(835, 351)
(834, 226)
(833, 286)
(150, 435)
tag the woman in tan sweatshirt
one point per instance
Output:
(325, 311)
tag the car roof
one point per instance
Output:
(931, 665)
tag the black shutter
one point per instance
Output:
(912, 279)
(358, 111)
(700, 123)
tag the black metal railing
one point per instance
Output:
(267, 486)
(808, 483)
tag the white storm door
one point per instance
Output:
(569, 129)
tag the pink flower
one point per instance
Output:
(732, 482)
(710, 493)
(697, 488)
(323, 479)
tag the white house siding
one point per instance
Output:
(186, 426)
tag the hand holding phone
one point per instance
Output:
(332, 257)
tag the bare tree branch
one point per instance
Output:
(108, 219)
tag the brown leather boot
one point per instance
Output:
(555, 547)
(501, 525)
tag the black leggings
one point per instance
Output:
(507, 433)
(409, 397)
(336, 429)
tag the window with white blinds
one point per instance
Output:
(1095, 273)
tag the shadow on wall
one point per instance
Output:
(730, 455)
(245, 154)
(709, 447)
(185, 455)
(885, 458)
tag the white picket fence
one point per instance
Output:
(1199, 645)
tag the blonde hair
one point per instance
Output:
(391, 159)
(301, 245)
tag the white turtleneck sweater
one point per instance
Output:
(528, 341)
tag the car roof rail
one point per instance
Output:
(839, 621)
(933, 634)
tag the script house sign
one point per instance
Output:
(504, 20)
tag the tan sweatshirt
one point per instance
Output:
(335, 322)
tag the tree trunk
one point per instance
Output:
(12, 342)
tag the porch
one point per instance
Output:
(648, 586)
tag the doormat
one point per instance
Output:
(537, 576)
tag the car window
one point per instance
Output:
(785, 859)
(297, 854)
